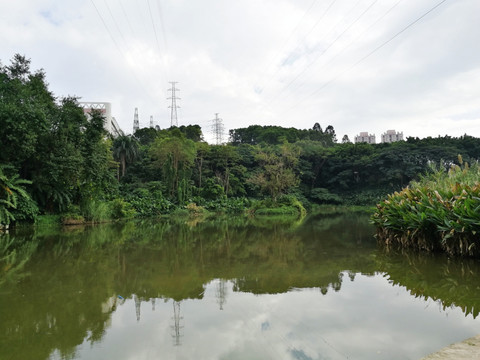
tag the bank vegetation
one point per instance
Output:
(58, 165)
(439, 212)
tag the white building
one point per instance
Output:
(392, 136)
(365, 137)
(110, 124)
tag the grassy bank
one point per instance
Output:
(440, 212)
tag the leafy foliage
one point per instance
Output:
(15, 203)
(175, 155)
(72, 163)
(441, 211)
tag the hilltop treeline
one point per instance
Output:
(55, 161)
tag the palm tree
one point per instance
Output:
(10, 189)
(125, 150)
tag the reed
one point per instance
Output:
(440, 212)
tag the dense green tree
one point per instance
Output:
(317, 128)
(203, 150)
(13, 193)
(26, 107)
(99, 167)
(329, 130)
(146, 136)
(175, 155)
(125, 150)
(49, 141)
(224, 165)
(57, 166)
(192, 132)
(277, 170)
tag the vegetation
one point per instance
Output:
(441, 211)
(67, 165)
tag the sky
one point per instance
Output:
(359, 65)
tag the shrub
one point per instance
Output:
(97, 211)
(120, 208)
(439, 212)
(323, 196)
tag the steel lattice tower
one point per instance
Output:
(173, 107)
(176, 320)
(217, 129)
(136, 124)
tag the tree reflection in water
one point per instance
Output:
(68, 284)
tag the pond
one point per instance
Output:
(229, 288)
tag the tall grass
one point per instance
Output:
(441, 211)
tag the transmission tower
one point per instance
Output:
(137, 306)
(173, 107)
(217, 129)
(136, 124)
(221, 292)
(151, 121)
(176, 327)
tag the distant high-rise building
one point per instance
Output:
(365, 137)
(392, 136)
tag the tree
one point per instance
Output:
(192, 132)
(57, 165)
(125, 150)
(175, 155)
(317, 127)
(99, 167)
(146, 136)
(277, 174)
(345, 139)
(224, 165)
(202, 151)
(11, 193)
(26, 107)
(331, 132)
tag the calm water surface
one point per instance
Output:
(229, 288)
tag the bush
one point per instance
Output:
(121, 209)
(285, 205)
(194, 209)
(439, 212)
(97, 211)
(149, 202)
(323, 196)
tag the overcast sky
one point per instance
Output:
(358, 65)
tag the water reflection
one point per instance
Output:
(229, 288)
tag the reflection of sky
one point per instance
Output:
(367, 319)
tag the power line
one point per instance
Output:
(370, 53)
(325, 50)
(156, 37)
(162, 24)
(363, 32)
(153, 26)
(291, 34)
(114, 21)
(288, 39)
(108, 30)
(126, 17)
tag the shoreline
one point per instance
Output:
(468, 349)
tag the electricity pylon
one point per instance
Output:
(173, 107)
(176, 323)
(217, 129)
(136, 124)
